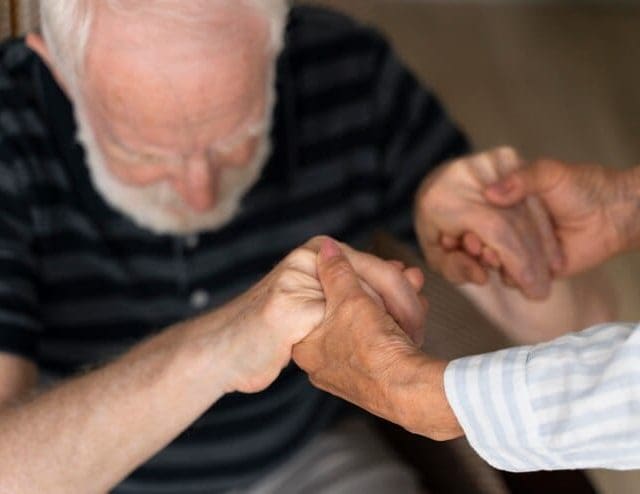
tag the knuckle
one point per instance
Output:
(280, 280)
(507, 152)
(358, 305)
(318, 239)
(299, 256)
(340, 268)
(273, 308)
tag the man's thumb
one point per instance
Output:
(533, 180)
(337, 277)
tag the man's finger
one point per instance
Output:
(415, 276)
(508, 280)
(449, 242)
(372, 293)
(514, 237)
(491, 258)
(337, 277)
(533, 180)
(459, 268)
(548, 237)
(472, 244)
(397, 291)
(397, 264)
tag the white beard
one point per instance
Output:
(159, 207)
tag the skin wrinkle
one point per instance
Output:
(246, 129)
(189, 64)
(190, 122)
(178, 151)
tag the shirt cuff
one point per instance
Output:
(489, 395)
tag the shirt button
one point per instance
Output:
(199, 299)
(192, 241)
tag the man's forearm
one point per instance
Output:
(87, 434)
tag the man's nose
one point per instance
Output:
(200, 181)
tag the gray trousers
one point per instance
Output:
(348, 459)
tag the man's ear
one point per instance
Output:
(37, 44)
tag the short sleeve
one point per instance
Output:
(415, 136)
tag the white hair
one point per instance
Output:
(66, 28)
(66, 24)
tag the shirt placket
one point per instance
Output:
(197, 298)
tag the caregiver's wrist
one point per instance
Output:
(423, 406)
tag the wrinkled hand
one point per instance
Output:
(594, 210)
(283, 308)
(463, 235)
(360, 354)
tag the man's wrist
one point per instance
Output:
(628, 191)
(423, 407)
(211, 342)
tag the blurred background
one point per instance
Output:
(553, 78)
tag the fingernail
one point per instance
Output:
(329, 250)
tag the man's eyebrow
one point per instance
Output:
(253, 124)
(117, 142)
(114, 140)
(246, 130)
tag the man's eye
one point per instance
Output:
(151, 158)
(147, 159)
(222, 152)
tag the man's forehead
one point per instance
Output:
(148, 80)
(193, 93)
(220, 22)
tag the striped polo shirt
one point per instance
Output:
(80, 283)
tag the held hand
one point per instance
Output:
(283, 308)
(594, 210)
(463, 235)
(359, 353)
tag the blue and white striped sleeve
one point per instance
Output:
(571, 403)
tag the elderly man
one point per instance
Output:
(138, 280)
(568, 403)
